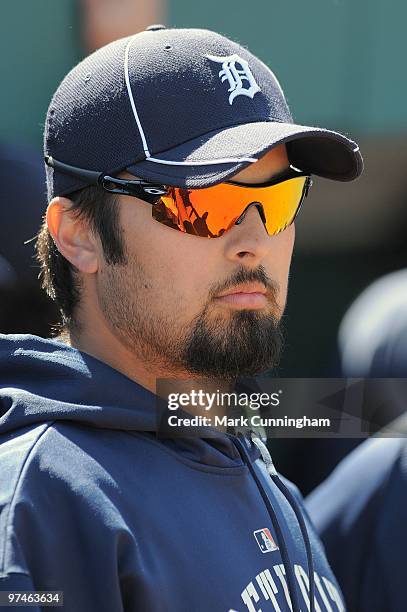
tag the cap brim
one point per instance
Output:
(215, 156)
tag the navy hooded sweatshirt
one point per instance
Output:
(93, 503)
(360, 512)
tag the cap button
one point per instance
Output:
(154, 27)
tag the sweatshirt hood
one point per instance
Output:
(45, 380)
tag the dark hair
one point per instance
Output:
(59, 278)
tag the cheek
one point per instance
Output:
(174, 275)
(280, 259)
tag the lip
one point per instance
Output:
(244, 300)
(245, 288)
(249, 295)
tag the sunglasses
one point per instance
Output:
(211, 211)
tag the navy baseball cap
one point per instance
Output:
(182, 107)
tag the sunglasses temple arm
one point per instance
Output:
(89, 176)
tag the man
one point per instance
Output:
(373, 333)
(363, 504)
(360, 513)
(175, 172)
(23, 306)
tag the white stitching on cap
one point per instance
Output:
(209, 162)
(133, 105)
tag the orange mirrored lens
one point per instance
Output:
(211, 211)
(283, 203)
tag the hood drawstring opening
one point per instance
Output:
(294, 505)
(274, 520)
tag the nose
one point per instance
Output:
(259, 208)
(250, 239)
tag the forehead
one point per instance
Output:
(270, 164)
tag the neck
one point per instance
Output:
(200, 394)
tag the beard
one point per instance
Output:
(248, 344)
(214, 345)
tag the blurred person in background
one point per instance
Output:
(372, 343)
(362, 506)
(373, 333)
(102, 21)
(23, 203)
(360, 514)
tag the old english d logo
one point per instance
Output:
(238, 74)
(265, 540)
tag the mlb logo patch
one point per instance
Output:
(265, 540)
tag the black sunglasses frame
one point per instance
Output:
(151, 192)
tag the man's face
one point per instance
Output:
(163, 304)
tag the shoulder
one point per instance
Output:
(358, 480)
(50, 464)
(56, 478)
(359, 513)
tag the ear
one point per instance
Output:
(72, 236)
